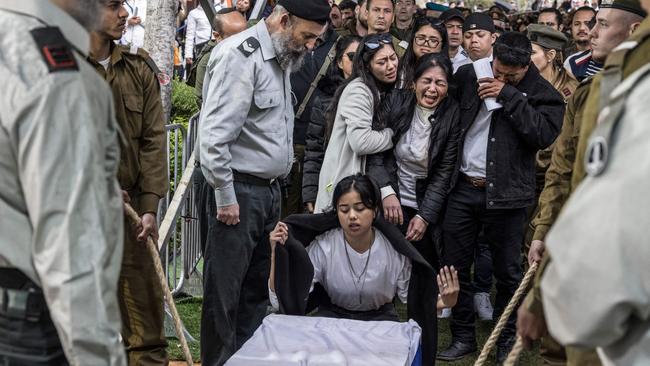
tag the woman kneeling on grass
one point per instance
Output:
(354, 265)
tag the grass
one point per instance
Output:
(190, 311)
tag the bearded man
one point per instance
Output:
(245, 145)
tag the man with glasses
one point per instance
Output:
(453, 19)
(404, 15)
(495, 181)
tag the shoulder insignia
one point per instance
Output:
(163, 78)
(57, 53)
(249, 46)
(566, 92)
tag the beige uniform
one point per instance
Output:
(60, 204)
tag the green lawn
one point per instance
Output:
(190, 311)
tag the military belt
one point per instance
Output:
(251, 179)
(20, 298)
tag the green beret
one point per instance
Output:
(632, 6)
(547, 37)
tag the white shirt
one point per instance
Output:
(105, 62)
(134, 34)
(461, 58)
(387, 274)
(412, 153)
(198, 30)
(475, 148)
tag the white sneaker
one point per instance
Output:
(445, 313)
(483, 306)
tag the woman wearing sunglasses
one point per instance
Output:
(339, 70)
(429, 36)
(415, 176)
(353, 130)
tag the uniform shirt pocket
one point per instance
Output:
(133, 107)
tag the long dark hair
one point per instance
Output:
(399, 106)
(362, 184)
(407, 65)
(334, 76)
(361, 69)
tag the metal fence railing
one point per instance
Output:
(181, 252)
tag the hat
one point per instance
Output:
(478, 21)
(547, 37)
(632, 6)
(314, 10)
(452, 14)
(437, 7)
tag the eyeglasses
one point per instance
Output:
(375, 41)
(431, 42)
(350, 55)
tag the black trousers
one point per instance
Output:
(28, 340)
(466, 215)
(236, 269)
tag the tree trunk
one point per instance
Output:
(160, 31)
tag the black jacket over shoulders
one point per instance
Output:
(294, 273)
(529, 121)
(431, 192)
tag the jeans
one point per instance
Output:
(466, 215)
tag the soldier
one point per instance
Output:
(248, 86)
(616, 20)
(227, 22)
(404, 15)
(142, 175)
(380, 17)
(595, 289)
(357, 25)
(60, 204)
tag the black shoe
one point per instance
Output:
(456, 351)
(504, 350)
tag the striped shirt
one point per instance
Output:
(581, 65)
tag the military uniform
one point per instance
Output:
(241, 160)
(143, 174)
(626, 58)
(402, 34)
(199, 73)
(60, 204)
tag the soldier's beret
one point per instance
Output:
(632, 6)
(476, 21)
(314, 10)
(547, 37)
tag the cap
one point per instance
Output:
(452, 14)
(477, 21)
(632, 6)
(547, 37)
(314, 10)
(437, 7)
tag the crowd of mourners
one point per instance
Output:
(353, 160)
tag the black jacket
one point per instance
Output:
(294, 273)
(302, 79)
(431, 192)
(529, 121)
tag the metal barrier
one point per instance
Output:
(181, 253)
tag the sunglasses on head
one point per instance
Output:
(375, 42)
(351, 55)
(434, 22)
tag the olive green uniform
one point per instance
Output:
(402, 34)
(632, 56)
(202, 66)
(143, 174)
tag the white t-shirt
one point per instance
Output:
(475, 147)
(388, 272)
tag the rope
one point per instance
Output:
(523, 286)
(514, 354)
(155, 255)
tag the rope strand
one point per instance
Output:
(489, 344)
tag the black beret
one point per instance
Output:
(632, 6)
(314, 10)
(452, 14)
(477, 21)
